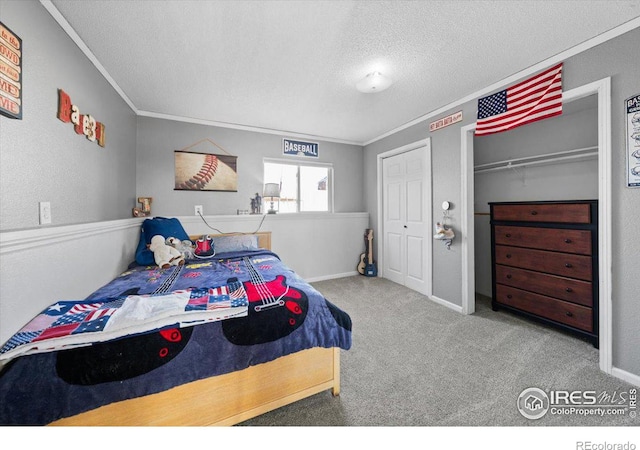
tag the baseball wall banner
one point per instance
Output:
(205, 172)
(300, 148)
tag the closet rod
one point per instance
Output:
(540, 159)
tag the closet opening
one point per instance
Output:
(563, 158)
(554, 159)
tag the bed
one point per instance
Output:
(285, 347)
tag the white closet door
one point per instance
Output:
(394, 204)
(406, 202)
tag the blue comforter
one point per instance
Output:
(285, 315)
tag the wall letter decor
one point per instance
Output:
(83, 123)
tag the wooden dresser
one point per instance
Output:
(545, 262)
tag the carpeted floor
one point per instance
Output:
(417, 363)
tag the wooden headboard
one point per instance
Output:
(264, 237)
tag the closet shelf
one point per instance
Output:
(579, 154)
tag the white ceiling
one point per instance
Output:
(292, 66)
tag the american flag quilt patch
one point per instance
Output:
(67, 324)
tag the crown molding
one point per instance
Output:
(58, 17)
(235, 126)
(586, 45)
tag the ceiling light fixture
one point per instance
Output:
(373, 82)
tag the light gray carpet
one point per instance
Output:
(416, 363)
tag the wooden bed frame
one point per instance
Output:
(226, 399)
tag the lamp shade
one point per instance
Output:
(271, 190)
(373, 82)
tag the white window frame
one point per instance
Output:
(304, 163)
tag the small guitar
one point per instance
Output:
(367, 265)
(362, 264)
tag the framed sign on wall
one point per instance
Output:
(10, 73)
(299, 148)
(632, 109)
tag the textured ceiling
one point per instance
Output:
(292, 66)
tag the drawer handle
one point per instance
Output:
(569, 290)
(509, 276)
(509, 296)
(568, 241)
(508, 255)
(534, 213)
(569, 314)
(508, 235)
(568, 265)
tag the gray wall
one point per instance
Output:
(567, 180)
(42, 158)
(617, 59)
(445, 161)
(158, 138)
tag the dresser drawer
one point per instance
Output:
(575, 291)
(551, 212)
(560, 311)
(563, 264)
(557, 239)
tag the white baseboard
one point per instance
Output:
(626, 376)
(331, 277)
(448, 304)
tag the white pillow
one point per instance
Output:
(234, 243)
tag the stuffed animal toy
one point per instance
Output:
(164, 255)
(185, 247)
(442, 232)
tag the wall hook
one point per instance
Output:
(522, 173)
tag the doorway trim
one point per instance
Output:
(602, 89)
(426, 143)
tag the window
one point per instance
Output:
(304, 187)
